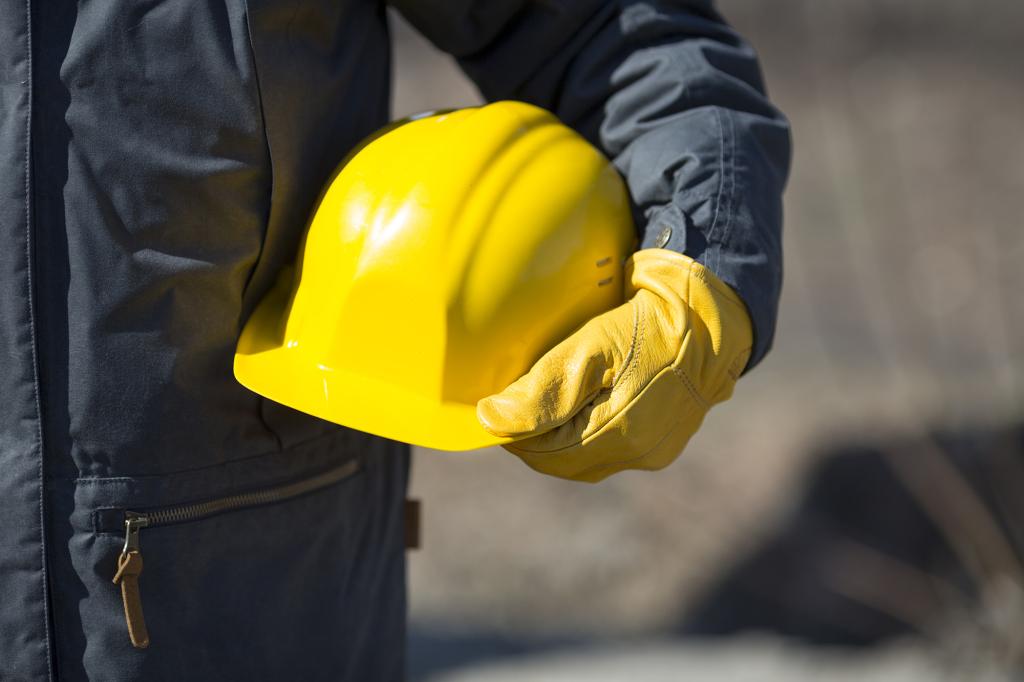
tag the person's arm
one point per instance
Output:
(675, 98)
(671, 93)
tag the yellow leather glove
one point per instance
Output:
(630, 387)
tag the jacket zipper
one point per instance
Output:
(129, 563)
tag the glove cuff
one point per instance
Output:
(714, 317)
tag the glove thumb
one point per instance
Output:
(564, 380)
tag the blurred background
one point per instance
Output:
(856, 512)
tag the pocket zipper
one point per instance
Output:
(129, 563)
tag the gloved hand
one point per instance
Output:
(630, 387)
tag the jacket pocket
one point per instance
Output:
(139, 522)
(284, 566)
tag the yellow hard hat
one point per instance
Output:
(445, 257)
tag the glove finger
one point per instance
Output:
(564, 380)
(638, 437)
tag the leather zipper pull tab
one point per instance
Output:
(129, 567)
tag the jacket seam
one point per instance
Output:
(731, 179)
(721, 179)
(30, 303)
(266, 144)
(261, 402)
(103, 480)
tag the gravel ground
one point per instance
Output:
(741, 660)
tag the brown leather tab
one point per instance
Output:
(129, 566)
(412, 524)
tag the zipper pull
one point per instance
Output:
(129, 567)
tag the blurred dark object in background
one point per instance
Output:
(892, 538)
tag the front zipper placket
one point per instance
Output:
(129, 563)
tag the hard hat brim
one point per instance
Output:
(290, 376)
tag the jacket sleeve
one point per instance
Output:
(671, 93)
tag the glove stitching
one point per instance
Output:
(638, 334)
(691, 388)
(739, 362)
(637, 341)
(517, 449)
(618, 463)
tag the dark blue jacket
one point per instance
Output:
(158, 160)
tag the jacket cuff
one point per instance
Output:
(751, 276)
